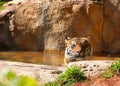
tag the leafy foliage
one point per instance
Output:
(55, 83)
(8, 78)
(114, 68)
(1, 3)
(70, 76)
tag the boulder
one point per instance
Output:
(43, 73)
(47, 73)
(93, 67)
(43, 24)
(111, 28)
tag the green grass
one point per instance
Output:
(67, 78)
(52, 84)
(1, 7)
(9, 78)
(1, 3)
(113, 69)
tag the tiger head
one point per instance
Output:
(77, 47)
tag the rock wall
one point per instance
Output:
(43, 24)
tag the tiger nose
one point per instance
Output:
(78, 51)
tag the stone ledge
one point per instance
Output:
(92, 67)
(45, 73)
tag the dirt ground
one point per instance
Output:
(93, 81)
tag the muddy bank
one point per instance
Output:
(45, 73)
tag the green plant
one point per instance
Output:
(52, 84)
(1, 3)
(115, 66)
(9, 78)
(109, 72)
(71, 75)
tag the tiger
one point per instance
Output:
(77, 48)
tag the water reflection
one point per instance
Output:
(48, 58)
(33, 57)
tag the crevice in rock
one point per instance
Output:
(104, 19)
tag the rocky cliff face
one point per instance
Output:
(43, 24)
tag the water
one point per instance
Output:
(47, 58)
(33, 57)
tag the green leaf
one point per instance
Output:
(26, 81)
(8, 74)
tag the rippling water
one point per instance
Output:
(48, 58)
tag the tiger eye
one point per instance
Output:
(72, 45)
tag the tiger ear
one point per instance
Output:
(89, 37)
(67, 39)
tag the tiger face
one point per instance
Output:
(77, 48)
